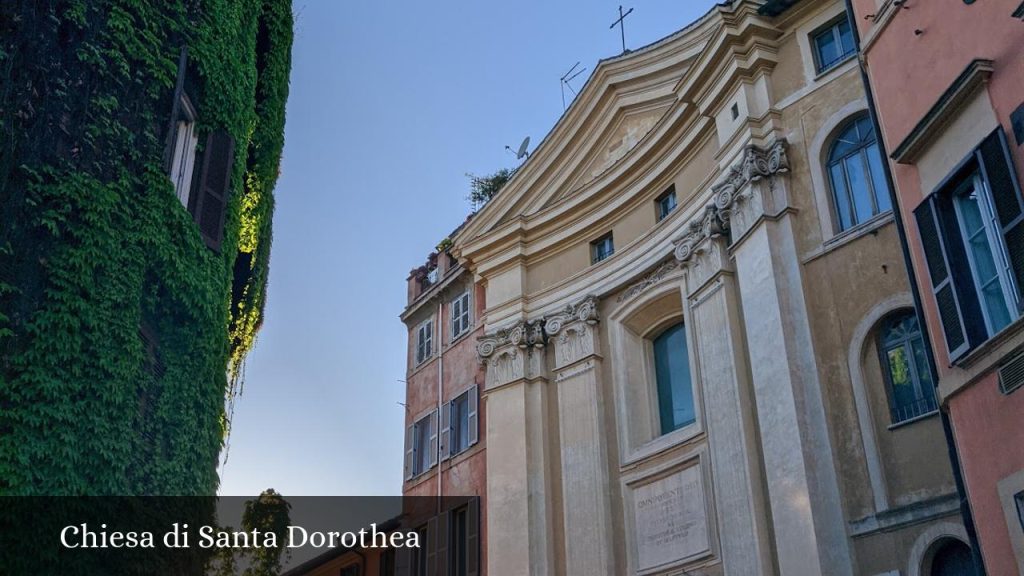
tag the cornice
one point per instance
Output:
(610, 79)
(973, 78)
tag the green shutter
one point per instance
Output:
(942, 282)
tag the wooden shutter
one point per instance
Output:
(431, 547)
(410, 450)
(442, 544)
(473, 418)
(473, 537)
(432, 427)
(214, 187)
(445, 434)
(179, 90)
(997, 169)
(942, 281)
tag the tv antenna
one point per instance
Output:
(567, 78)
(523, 151)
(621, 23)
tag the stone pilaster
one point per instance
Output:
(518, 476)
(720, 352)
(586, 504)
(803, 489)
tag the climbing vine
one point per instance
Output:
(94, 243)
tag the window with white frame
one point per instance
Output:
(183, 156)
(666, 202)
(421, 445)
(460, 315)
(601, 248)
(972, 235)
(856, 175)
(833, 44)
(460, 423)
(424, 341)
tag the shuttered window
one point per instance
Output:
(460, 423)
(421, 446)
(972, 234)
(460, 315)
(209, 203)
(424, 341)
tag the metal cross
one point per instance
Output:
(622, 26)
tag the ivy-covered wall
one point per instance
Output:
(94, 243)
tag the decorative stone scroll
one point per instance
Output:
(573, 327)
(512, 353)
(583, 311)
(735, 203)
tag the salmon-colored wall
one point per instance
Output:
(990, 438)
(466, 473)
(912, 59)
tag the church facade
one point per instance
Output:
(699, 347)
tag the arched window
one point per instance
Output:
(952, 558)
(672, 374)
(856, 173)
(901, 346)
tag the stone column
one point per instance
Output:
(721, 355)
(803, 489)
(519, 516)
(586, 503)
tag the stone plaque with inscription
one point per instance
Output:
(671, 519)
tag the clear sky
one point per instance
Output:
(391, 104)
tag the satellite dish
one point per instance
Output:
(522, 152)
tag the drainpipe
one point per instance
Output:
(440, 389)
(947, 426)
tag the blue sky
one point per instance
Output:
(391, 104)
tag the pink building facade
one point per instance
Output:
(947, 78)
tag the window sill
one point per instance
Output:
(913, 420)
(461, 336)
(988, 345)
(835, 66)
(663, 443)
(849, 235)
(423, 364)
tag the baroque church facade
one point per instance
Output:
(696, 332)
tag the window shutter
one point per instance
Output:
(445, 434)
(432, 547)
(214, 187)
(942, 282)
(442, 544)
(997, 169)
(473, 537)
(473, 419)
(433, 438)
(179, 89)
(410, 450)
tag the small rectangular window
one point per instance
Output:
(460, 315)
(666, 202)
(424, 341)
(459, 542)
(460, 423)
(833, 44)
(421, 435)
(601, 248)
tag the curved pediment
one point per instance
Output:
(628, 107)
